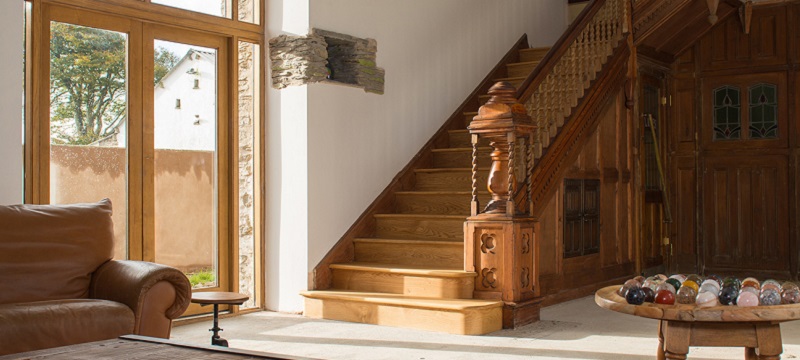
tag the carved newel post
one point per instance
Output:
(500, 243)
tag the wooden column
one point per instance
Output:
(500, 237)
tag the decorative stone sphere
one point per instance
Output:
(680, 277)
(649, 294)
(623, 290)
(769, 297)
(633, 282)
(706, 299)
(696, 278)
(747, 299)
(790, 296)
(771, 281)
(666, 286)
(750, 290)
(711, 282)
(692, 284)
(665, 297)
(675, 283)
(635, 296)
(686, 295)
(715, 278)
(771, 286)
(751, 282)
(651, 283)
(789, 285)
(728, 295)
(639, 278)
(662, 277)
(709, 288)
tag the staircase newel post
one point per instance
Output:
(500, 238)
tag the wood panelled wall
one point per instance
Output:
(610, 161)
(735, 201)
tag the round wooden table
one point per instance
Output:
(757, 328)
(218, 298)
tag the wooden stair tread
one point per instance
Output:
(410, 241)
(458, 149)
(524, 63)
(510, 79)
(403, 300)
(421, 216)
(435, 170)
(432, 193)
(406, 269)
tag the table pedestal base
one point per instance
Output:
(761, 340)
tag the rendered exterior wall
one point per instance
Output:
(11, 41)
(434, 54)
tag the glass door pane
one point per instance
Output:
(185, 162)
(221, 8)
(88, 120)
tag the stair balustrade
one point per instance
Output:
(500, 244)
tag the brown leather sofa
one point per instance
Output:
(59, 286)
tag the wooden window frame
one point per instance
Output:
(134, 18)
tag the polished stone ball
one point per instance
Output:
(728, 295)
(675, 283)
(665, 297)
(649, 294)
(635, 296)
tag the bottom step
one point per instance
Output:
(454, 316)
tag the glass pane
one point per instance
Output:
(186, 160)
(763, 111)
(727, 113)
(221, 8)
(250, 11)
(88, 120)
(249, 118)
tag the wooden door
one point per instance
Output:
(746, 215)
(653, 229)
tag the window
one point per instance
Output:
(763, 111)
(126, 118)
(581, 217)
(727, 113)
(760, 119)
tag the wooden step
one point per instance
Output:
(533, 54)
(468, 116)
(462, 139)
(515, 81)
(521, 69)
(413, 280)
(425, 227)
(453, 179)
(462, 317)
(459, 157)
(410, 252)
(437, 202)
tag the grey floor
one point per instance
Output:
(578, 329)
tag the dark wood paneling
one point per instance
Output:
(683, 111)
(683, 234)
(794, 28)
(745, 211)
(728, 47)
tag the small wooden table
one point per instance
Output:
(757, 329)
(218, 298)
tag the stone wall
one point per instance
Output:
(326, 56)
(248, 112)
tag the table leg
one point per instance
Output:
(660, 352)
(770, 345)
(215, 338)
(676, 339)
(750, 353)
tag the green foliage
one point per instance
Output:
(88, 81)
(201, 277)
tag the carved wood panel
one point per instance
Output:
(745, 214)
(683, 233)
(727, 46)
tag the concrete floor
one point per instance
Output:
(578, 329)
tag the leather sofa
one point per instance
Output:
(59, 285)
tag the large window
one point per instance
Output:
(160, 114)
(760, 118)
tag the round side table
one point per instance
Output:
(217, 299)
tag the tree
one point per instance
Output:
(87, 81)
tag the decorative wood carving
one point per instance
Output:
(488, 243)
(488, 279)
(746, 15)
(712, 11)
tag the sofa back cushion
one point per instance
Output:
(49, 252)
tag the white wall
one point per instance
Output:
(11, 153)
(434, 53)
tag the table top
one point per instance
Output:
(219, 297)
(608, 298)
(136, 347)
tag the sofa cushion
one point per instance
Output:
(48, 252)
(46, 324)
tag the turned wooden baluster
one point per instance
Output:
(501, 120)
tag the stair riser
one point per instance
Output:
(434, 254)
(464, 140)
(459, 159)
(450, 181)
(446, 204)
(394, 283)
(532, 55)
(520, 70)
(425, 229)
(468, 322)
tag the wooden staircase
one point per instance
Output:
(410, 272)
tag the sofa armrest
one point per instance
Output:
(156, 293)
